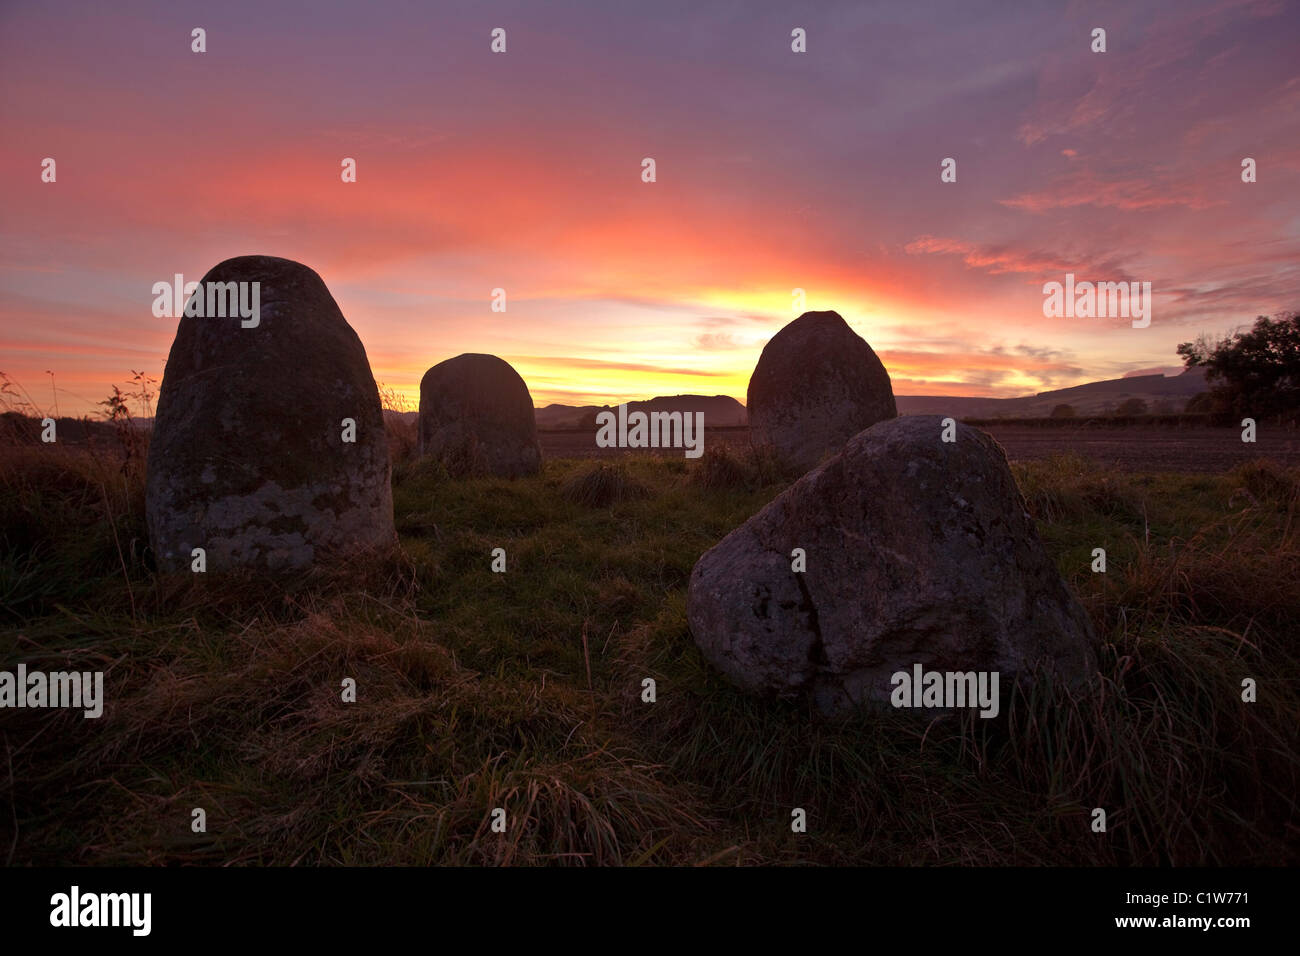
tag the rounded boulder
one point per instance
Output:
(477, 417)
(816, 385)
(268, 447)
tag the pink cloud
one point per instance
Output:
(1126, 194)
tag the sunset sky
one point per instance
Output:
(775, 170)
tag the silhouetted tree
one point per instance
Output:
(1063, 411)
(1256, 371)
(1132, 406)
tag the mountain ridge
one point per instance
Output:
(1089, 398)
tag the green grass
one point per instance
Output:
(522, 690)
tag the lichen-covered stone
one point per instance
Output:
(918, 551)
(247, 459)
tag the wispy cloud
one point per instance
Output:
(1126, 194)
(1010, 257)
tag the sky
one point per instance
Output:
(775, 170)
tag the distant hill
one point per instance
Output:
(719, 411)
(1093, 398)
(563, 416)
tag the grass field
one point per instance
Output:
(522, 690)
(1131, 447)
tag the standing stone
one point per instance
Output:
(816, 385)
(917, 551)
(477, 417)
(247, 458)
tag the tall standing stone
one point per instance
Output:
(915, 551)
(816, 385)
(248, 458)
(476, 416)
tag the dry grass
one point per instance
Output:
(403, 438)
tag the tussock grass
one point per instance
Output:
(524, 690)
(1267, 481)
(749, 467)
(602, 485)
